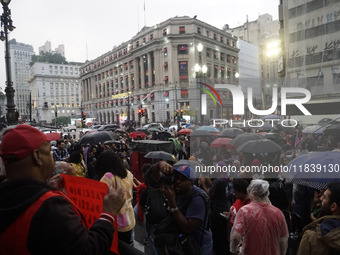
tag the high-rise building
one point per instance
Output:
(55, 91)
(264, 33)
(160, 69)
(21, 56)
(310, 33)
(47, 47)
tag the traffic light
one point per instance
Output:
(143, 112)
(83, 119)
(140, 112)
(181, 115)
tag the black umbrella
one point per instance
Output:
(161, 155)
(230, 132)
(97, 137)
(200, 133)
(332, 129)
(259, 146)
(243, 138)
(315, 169)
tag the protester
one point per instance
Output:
(61, 153)
(76, 158)
(62, 167)
(259, 227)
(219, 203)
(110, 169)
(187, 203)
(242, 198)
(35, 218)
(321, 237)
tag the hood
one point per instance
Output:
(16, 196)
(329, 231)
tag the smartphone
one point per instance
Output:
(223, 215)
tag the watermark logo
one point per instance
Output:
(238, 99)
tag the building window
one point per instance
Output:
(209, 70)
(182, 49)
(165, 51)
(198, 30)
(137, 43)
(181, 30)
(222, 56)
(208, 53)
(208, 33)
(164, 32)
(144, 40)
(215, 36)
(183, 71)
(165, 66)
(151, 37)
(215, 54)
(215, 72)
(222, 72)
(222, 39)
(184, 94)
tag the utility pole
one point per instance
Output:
(55, 114)
(30, 107)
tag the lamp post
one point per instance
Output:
(200, 71)
(7, 24)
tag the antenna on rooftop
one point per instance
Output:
(144, 15)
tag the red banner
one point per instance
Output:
(88, 196)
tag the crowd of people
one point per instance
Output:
(181, 211)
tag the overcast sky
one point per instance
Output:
(89, 29)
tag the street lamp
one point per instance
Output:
(200, 71)
(7, 24)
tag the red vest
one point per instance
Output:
(14, 239)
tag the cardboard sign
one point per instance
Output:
(88, 196)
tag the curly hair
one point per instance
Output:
(108, 161)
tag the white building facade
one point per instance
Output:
(155, 69)
(310, 32)
(55, 91)
(21, 56)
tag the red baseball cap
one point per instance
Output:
(21, 141)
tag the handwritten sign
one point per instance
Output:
(88, 196)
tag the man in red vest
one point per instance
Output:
(37, 219)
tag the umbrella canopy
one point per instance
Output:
(184, 131)
(98, 137)
(135, 134)
(177, 144)
(154, 129)
(193, 127)
(267, 127)
(315, 169)
(260, 146)
(243, 138)
(273, 136)
(161, 155)
(317, 129)
(332, 129)
(271, 117)
(144, 130)
(209, 128)
(230, 132)
(222, 141)
(199, 133)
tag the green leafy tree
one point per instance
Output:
(62, 120)
(48, 57)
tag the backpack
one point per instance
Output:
(156, 207)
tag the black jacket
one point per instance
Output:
(55, 228)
